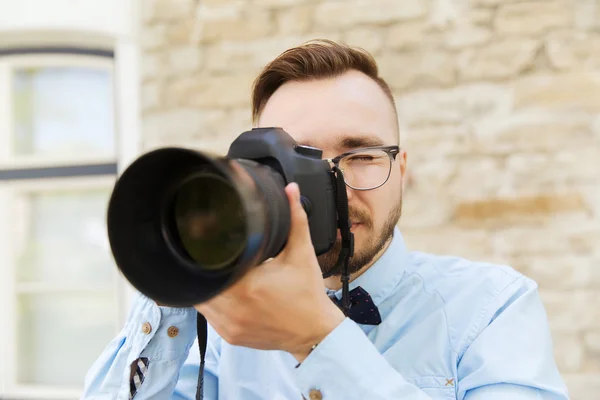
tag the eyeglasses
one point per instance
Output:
(366, 168)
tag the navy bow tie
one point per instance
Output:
(362, 309)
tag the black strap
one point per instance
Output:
(347, 250)
(344, 225)
(202, 329)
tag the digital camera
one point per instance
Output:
(184, 224)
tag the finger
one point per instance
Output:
(299, 237)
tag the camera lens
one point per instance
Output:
(183, 224)
(209, 220)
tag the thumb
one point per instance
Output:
(299, 237)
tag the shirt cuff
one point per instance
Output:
(345, 365)
(161, 333)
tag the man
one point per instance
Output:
(433, 327)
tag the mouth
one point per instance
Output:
(355, 226)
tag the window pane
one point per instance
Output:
(63, 111)
(59, 335)
(64, 238)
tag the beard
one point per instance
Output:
(369, 250)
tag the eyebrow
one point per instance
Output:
(353, 142)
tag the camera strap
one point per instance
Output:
(347, 251)
(202, 329)
(344, 225)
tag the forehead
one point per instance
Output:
(334, 114)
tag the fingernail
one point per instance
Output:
(296, 190)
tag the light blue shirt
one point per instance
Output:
(451, 329)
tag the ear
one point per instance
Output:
(404, 176)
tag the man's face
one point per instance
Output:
(337, 115)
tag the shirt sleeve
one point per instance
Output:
(163, 336)
(512, 357)
(362, 373)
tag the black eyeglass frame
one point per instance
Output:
(391, 151)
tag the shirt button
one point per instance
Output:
(146, 327)
(172, 331)
(315, 394)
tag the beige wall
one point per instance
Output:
(499, 105)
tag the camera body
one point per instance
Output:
(274, 148)
(183, 224)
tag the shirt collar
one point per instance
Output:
(383, 276)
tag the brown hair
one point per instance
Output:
(316, 59)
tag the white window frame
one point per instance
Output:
(10, 161)
(125, 73)
(10, 195)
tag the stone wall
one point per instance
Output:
(499, 103)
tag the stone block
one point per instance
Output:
(424, 143)
(222, 91)
(480, 16)
(533, 17)
(370, 39)
(569, 311)
(592, 341)
(596, 128)
(295, 20)
(220, 10)
(151, 95)
(467, 35)
(338, 14)
(507, 211)
(591, 193)
(168, 10)
(164, 126)
(478, 177)
(153, 65)
(242, 56)
(550, 172)
(586, 14)
(533, 130)
(574, 50)
(498, 60)
(406, 35)
(433, 175)
(583, 386)
(530, 241)
(585, 241)
(422, 209)
(567, 271)
(181, 33)
(177, 91)
(153, 37)
(577, 91)
(183, 59)
(247, 26)
(217, 146)
(459, 105)
(568, 352)
(278, 3)
(419, 68)
(219, 3)
(473, 244)
(493, 3)
(230, 57)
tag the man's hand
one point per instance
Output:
(281, 304)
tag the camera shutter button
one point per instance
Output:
(308, 151)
